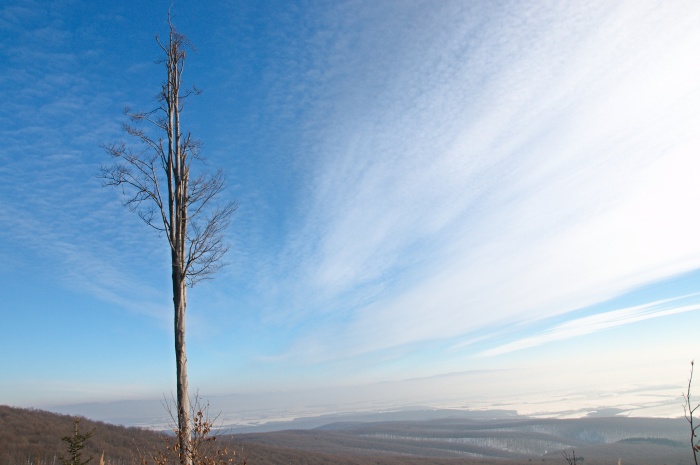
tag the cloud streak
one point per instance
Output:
(545, 166)
(53, 207)
(600, 322)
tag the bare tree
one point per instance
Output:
(572, 459)
(157, 184)
(205, 447)
(689, 411)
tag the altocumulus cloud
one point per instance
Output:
(495, 172)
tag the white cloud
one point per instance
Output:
(594, 323)
(546, 168)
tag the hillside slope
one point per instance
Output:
(30, 437)
(33, 437)
(602, 440)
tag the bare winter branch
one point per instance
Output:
(689, 412)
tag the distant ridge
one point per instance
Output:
(441, 437)
(404, 414)
(640, 441)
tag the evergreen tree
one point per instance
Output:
(76, 444)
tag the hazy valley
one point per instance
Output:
(436, 437)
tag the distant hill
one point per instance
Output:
(33, 437)
(599, 440)
(30, 437)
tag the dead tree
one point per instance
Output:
(572, 459)
(157, 183)
(689, 411)
(205, 447)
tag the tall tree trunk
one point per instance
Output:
(183, 398)
(177, 163)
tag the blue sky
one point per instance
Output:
(505, 192)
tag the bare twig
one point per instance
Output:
(689, 411)
(572, 459)
(203, 447)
